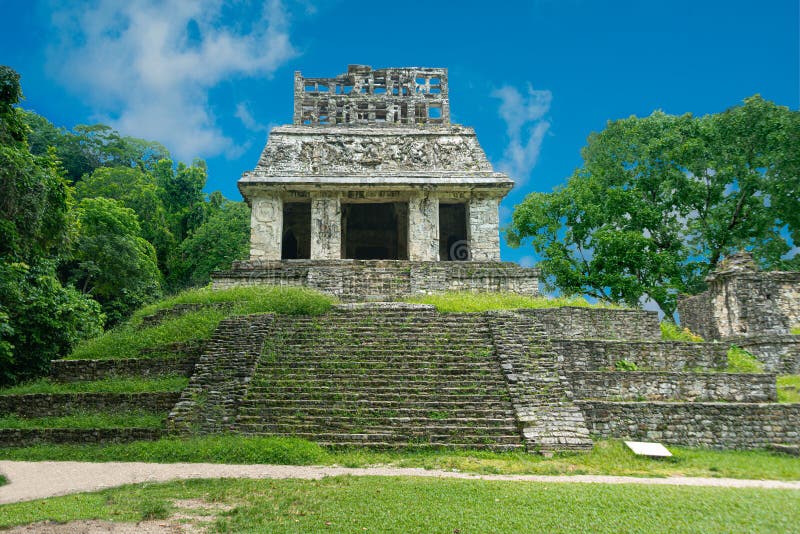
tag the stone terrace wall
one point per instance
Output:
(12, 437)
(779, 353)
(716, 425)
(60, 404)
(371, 279)
(695, 387)
(597, 323)
(598, 355)
(87, 370)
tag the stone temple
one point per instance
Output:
(373, 191)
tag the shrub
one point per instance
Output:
(625, 365)
(672, 332)
(741, 361)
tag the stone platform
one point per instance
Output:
(353, 280)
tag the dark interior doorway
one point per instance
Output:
(453, 245)
(296, 239)
(375, 231)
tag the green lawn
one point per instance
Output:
(608, 457)
(133, 419)
(397, 504)
(126, 340)
(465, 301)
(108, 385)
(789, 388)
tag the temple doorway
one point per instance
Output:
(376, 231)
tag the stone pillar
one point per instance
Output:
(266, 227)
(483, 230)
(423, 227)
(326, 227)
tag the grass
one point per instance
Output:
(108, 385)
(134, 419)
(789, 388)
(607, 458)
(795, 330)
(398, 504)
(128, 339)
(3, 480)
(741, 361)
(465, 301)
(672, 332)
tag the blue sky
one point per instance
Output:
(534, 78)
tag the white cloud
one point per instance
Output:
(147, 66)
(243, 114)
(526, 126)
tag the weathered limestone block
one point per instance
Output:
(483, 229)
(326, 227)
(423, 227)
(266, 226)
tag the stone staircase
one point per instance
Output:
(385, 376)
(541, 394)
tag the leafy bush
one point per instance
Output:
(40, 320)
(625, 365)
(741, 361)
(672, 332)
(789, 388)
(466, 301)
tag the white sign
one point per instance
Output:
(643, 448)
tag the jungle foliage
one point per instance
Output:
(94, 225)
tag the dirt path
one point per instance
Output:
(36, 480)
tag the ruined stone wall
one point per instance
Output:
(12, 437)
(372, 279)
(598, 323)
(599, 355)
(683, 386)
(718, 425)
(741, 301)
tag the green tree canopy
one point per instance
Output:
(660, 200)
(110, 260)
(40, 319)
(221, 239)
(89, 147)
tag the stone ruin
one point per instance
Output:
(372, 194)
(752, 309)
(373, 191)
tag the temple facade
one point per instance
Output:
(372, 169)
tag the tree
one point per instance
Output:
(111, 261)
(182, 194)
(135, 189)
(221, 239)
(39, 318)
(90, 147)
(660, 200)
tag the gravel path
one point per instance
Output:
(36, 480)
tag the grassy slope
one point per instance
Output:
(350, 504)
(789, 388)
(608, 457)
(108, 385)
(126, 340)
(463, 301)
